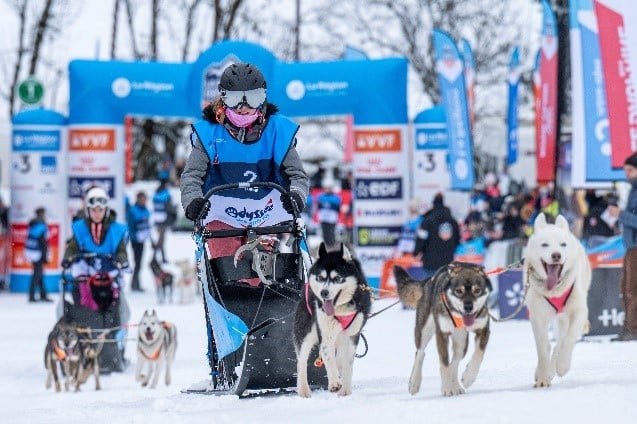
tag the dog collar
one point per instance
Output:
(559, 302)
(455, 318)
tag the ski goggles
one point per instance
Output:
(235, 99)
(96, 202)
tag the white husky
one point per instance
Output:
(559, 274)
(156, 346)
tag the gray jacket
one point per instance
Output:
(198, 164)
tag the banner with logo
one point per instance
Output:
(512, 111)
(38, 170)
(450, 70)
(591, 146)
(429, 159)
(381, 190)
(617, 22)
(546, 137)
(96, 158)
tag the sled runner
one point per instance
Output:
(252, 274)
(91, 296)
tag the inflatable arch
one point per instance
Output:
(104, 93)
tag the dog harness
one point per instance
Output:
(59, 352)
(455, 318)
(155, 355)
(344, 320)
(559, 302)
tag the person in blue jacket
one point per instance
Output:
(164, 215)
(242, 138)
(328, 205)
(138, 218)
(36, 250)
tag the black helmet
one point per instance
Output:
(241, 77)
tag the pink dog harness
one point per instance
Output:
(345, 320)
(560, 301)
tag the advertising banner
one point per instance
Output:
(96, 158)
(512, 110)
(37, 180)
(591, 146)
(450, 70)
(381, 190)
(469, 77)
(546, 138)
(617, 33)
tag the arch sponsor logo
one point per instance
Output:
(93, 139)
(123, 87)
(32, 140)
(297, 89)
(368, 141)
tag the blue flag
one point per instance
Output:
(450, 68)
(512, 114)
(227, 328)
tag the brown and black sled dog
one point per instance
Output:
(450, 304)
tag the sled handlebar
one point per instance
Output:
(90, 259)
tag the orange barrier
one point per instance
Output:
(387, 282)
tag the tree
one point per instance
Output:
(37, 28)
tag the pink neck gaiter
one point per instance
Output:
(239, 120)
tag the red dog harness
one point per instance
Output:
(344, 320)
(559, 302)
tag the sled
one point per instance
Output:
(250, 297)
(91, 296)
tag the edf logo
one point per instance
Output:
(390, 188)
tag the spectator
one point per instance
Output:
(628, 220)
(328, 210)
(598, 224)
(164, 215)
(437, 238)
(36, 251)
(138, 218)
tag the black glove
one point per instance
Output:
(293, 197)
(195, 207)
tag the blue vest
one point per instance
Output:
(234, 162)
(114, 236)
(160, 200)
(138, 223)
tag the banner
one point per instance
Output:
(617, 33)
(546, 138)
(512, 111)
(38, 168)
(450, 70)
(591, 147)
(469, 77)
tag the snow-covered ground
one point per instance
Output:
(601, 386)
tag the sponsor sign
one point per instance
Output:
(378, 236)
(374, 141)
(92, 140)
(605, 306)
(34, 140)
(78, 186)
(368, 188)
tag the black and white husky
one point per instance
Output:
(331, 314)
(156, 346)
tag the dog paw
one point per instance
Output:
(414, 386)
(454, 391)
(542, 381)
(563, 365)
(304, 392)
(335, 387)
(345, 391)
(468, 378)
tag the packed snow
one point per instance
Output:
(600, 387)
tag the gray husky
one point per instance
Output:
(450, 304)
(331, 314)
(156, 347)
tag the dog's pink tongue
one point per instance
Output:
(468, 320)
(328, 307)
(553, 273)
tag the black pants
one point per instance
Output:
(159, 246)
(138, 253)
(37, 280)
(329, 234)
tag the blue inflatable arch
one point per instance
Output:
(103, 93)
